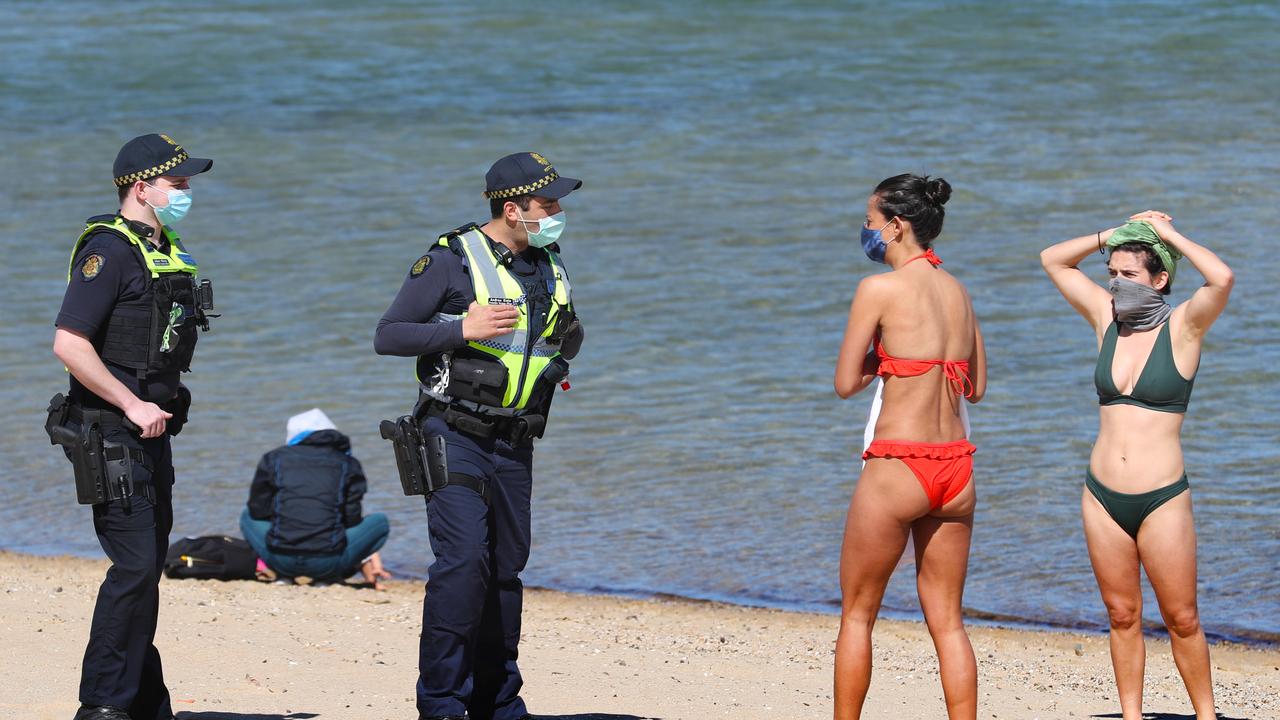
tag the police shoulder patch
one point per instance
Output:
(420, 266)
(91, 266)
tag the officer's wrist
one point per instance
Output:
(462, 338)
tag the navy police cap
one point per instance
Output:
(149, 156)
(526, 173)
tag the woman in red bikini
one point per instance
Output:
(915, 327)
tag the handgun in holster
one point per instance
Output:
(421, 459)
(103, 470)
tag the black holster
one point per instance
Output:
(103, 470)
(421, 459)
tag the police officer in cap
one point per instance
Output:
(489, 314)
(126, 330)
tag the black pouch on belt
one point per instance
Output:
(55, 425)
(178, 406)
(437, 462)
(480, 381)
(522, 430)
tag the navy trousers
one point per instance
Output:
(471, 613)
(121, 664)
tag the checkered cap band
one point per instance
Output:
(542, 182)
(156, 171)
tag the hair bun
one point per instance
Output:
(937, 191)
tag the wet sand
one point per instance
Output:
(258, 651)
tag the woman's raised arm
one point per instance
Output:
(1206, 304)
(1088, 298)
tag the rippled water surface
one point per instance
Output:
(727, 149)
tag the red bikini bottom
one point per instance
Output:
(943, 469)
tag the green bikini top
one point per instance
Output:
(1160, 386)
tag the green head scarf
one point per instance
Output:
(1142, 232)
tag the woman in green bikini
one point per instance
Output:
(1136, 503)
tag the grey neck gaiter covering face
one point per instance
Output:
(1139, 306)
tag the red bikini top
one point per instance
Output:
(957, 371)
(933, 259)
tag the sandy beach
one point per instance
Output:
(258, 651)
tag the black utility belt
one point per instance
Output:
(517, 431)
(105, 418)
(179, 406)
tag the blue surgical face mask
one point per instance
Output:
(549, 229)
(179, 205)
(874, 245)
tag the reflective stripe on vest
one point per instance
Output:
(494, 284)
(176, 260)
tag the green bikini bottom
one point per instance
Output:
(1130, 509)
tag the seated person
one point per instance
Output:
(303, 517)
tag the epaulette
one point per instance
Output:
(447, 239)
(105, 227)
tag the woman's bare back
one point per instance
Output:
(931, 318)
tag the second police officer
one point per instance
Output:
(489, 314)
(126, 330)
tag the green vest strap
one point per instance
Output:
(155, 261)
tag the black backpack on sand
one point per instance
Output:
(216, 557)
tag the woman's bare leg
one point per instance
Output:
(1167, 547)
(875, 535)
(1114, 556)
(942, 560)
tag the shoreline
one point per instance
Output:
(232, 649)
(974, 617)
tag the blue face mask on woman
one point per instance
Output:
(179, 205)
(874, 245)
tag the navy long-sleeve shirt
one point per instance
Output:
(443, 285)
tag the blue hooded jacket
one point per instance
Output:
(311, 492)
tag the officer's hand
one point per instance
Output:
(488, 321)
(149, 417)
